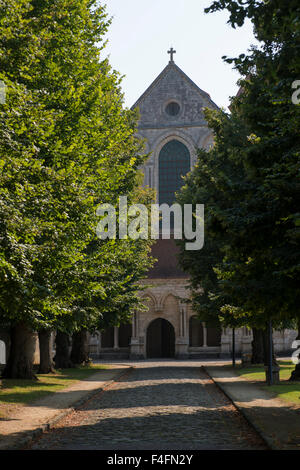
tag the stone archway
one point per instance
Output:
(214, 334)
(107, 338)
(160, 339)
(125, 334)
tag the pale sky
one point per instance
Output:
(143, 31)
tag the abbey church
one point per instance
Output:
(173, 124)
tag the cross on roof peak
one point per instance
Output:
(171, 52)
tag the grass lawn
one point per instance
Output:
(288, 391)
(14, 393)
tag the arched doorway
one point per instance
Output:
(214, 334)
(107, 338)
(160, 339)
(196, 332)
(125, 333)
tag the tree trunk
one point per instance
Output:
(296, 372)
(62, 356)
(21, 356)
(46, 362)
(257, 347)
(266, 343)
(80, 348)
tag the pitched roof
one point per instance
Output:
(172, 65)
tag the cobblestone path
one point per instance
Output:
(163, 405)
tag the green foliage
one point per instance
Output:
(67, 144)
(249, 181)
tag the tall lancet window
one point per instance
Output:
(174, 162)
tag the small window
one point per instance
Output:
(172, 109)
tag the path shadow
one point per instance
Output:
(200, 430)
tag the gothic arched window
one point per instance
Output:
(174, 162)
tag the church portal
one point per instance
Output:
(160, 339)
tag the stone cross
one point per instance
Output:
(171, 52)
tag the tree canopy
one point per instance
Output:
(67, 144)
(249, 180)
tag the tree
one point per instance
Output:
(62, 357)
(80, 347)
(46, 361)
(67, 145)
(273, 157)
(116, 267)
(219, 182)
(252, 217)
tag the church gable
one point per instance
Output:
(173, 99)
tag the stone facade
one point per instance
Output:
(171, 109)
(157, 127)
